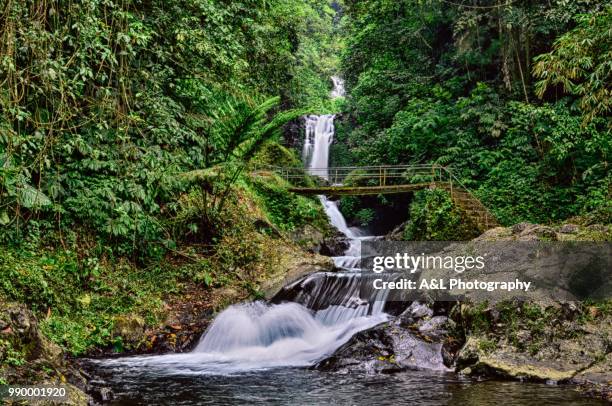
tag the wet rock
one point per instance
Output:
(101, 394)
(436, 327)
(386, 348)
(415, 312)
(334, 247)
(369, 351)
(596, 380)
(293, 134)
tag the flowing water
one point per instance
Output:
(256, 353)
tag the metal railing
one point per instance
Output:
(380, 175)
(385, 177)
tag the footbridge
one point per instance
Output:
(384, 179)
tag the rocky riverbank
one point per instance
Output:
(551, 342)
(560, 343)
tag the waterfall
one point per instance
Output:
(315, 315)
(309, 319)
(319, 136)
(338, 87)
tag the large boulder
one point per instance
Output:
(292, 264)
(574, 352)
(334, 246)
(392, 347)
(597, 379)
(384, 349)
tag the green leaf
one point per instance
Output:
(32, 198)
(4, 218)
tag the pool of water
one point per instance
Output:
(298, 386)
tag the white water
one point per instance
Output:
(258, 335)
(338, 90)
(319, 137)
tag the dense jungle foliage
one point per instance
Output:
(106, 105)
(514, 96)
(126, 129)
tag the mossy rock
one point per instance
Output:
(129, 327)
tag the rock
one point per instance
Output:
(532, 232)
(520, 227)
(537, 233)
(599, 373)
(600, 228)
(503, 362)
(569, 229)
(293, 134)
(47, 350)
(308, 237)
(129, 327)
(523, 336)
(386, 348)
(596, 380)
(334, 247)
(397, 234)
(293, 266)
(20, 320)
(414, 312)
(437, 326)
(45, 364)
(369, 351)
(101, 394)
(76, 397)
(568, 354)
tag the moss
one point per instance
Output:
(10, 355)
(434, 217)
(275, 154)
(284, 209)
(487, 345)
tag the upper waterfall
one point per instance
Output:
(338, 90)
(319, 137)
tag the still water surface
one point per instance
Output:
(297, 386)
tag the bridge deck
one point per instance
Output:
(362, 190)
